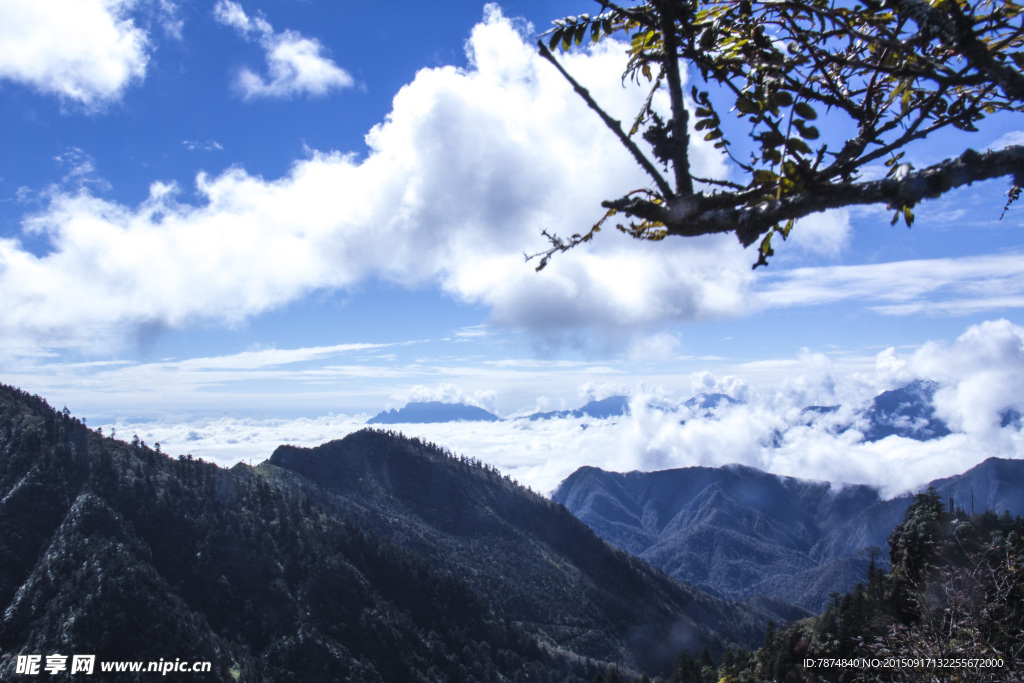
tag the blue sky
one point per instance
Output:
(272, 219)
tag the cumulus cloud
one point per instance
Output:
(84, 51)
(460, 178)
(1014, 137)
(982, 374)
(449, 393)
(826, 233)
(295, 64)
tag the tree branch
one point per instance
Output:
(615, 126)
(749, 223)
(680, 123)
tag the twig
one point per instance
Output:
(615, 126)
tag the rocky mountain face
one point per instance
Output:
(374, 558)
(740, 532)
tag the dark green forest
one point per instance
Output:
(382, 558)
(114, 549)
(955, 593)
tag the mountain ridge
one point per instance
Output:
(115, 549)
(495, 527)
(738, 532)
(427, 412)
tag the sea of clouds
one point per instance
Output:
(980, 374)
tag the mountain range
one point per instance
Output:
(907, 412)
(372, 558)
(379, 557)
(424, 412)
(740, 532)
(613, 406)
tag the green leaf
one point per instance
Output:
(746, 105)
(580, 34)
(908, 215)
(804, 110)
(797, 145)
(806, 132)
(894, 159)
(713, 135)
(766, 244)
(707, 39)
(762, 177)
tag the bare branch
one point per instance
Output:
(614, 125)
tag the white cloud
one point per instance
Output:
(208, 146)
(981, 373)
(448, 393)
(966, 285)
(655, 348)
(1014, 137)
(826, 233)
(467, 169)
(295, 64)
(167, 15)
(85, 51)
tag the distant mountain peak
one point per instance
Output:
(740, 531)
(612, 406)
(424, 412)
(907, 412)
(710, 401)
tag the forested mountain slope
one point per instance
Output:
(117, 550)
(529, 557)
(740, 532)
(950, 609)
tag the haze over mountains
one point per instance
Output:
(796, 430)
(907, 412)
(740, 532)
